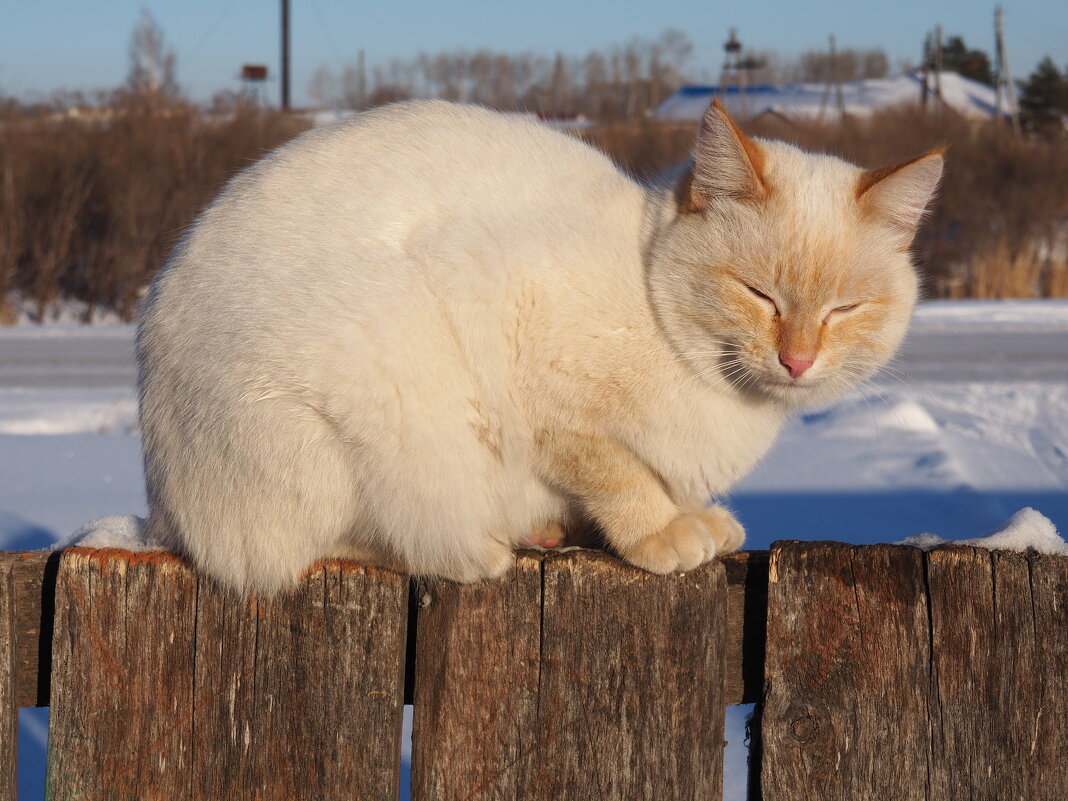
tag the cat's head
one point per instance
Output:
(786, 274)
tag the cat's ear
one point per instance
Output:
(727, 163)
(898, 195)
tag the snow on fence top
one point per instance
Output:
(812, 101)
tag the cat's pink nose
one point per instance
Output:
(795, 365)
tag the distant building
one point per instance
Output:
(814, 101)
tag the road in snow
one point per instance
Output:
(969, 425)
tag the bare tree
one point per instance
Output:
(624, 83)
(152, 74)
(561, 94)
(323, 87)
(817, 66)
(673, 49)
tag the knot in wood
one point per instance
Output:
(805, 728)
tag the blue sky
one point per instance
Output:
(47, 45)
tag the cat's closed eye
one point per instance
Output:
(842, 309)
(762, 296)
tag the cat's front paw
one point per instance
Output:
(688, 541)
(727, 531)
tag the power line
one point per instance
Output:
(211, 30)
(326, 31)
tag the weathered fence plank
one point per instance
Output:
(896, 674)
(121, 722)
(301, 696)
(1048, 742)
(476, 686)
(612, 686)
(999, 701)
(9, 731)
(34, 574)
(169, 688)
(846, 674)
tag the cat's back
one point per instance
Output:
(411, 236)
(418, 191)
(412, 165)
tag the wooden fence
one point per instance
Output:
(880, 672)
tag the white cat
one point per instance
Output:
(421, 337)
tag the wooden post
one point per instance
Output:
(121, 725)
(999, 708)
(34, 574)
(9, 713)
(164, 687)
(305, 691)
(478, 658)
(575, 677)
(846, 674)
(897, 674)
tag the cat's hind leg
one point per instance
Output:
(252, 495)
(436, 502)
(550, 535)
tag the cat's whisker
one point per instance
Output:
(720, 366)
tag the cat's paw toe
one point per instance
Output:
(550, 535)
(726, 530)
(683, 544)
(688, 541)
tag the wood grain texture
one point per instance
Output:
(747, 616)
(602, 681)
(1000, 670)
(1048, 740)
(897, 674)
(478, 658)
(304, 692)
(35, 573)
(9, 730)
(168, 688)
(121, 723)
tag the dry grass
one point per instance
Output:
(1000, 226)
(645, 148)
(89, 209)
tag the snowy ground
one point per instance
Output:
(969, 425)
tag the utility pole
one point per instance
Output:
(1004, 93)
(361, 81)
(938, 63)
(926, 90)
(833, 81)
(285, 55)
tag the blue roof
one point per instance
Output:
(702, 91)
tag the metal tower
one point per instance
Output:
(1005, 93)
(733, 72)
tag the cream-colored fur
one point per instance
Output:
(417, 337)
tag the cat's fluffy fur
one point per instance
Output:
(417, 337)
